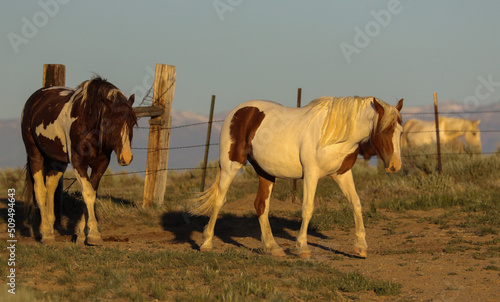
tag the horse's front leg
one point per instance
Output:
(89, 192)
(346, 184)
(310, 184)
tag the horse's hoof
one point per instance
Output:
(305, 255)
(360, 253)
(80, 240)
(205, 248)
(48, 240)
(94, 240)
(278, 252)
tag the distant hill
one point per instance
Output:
(12, 153)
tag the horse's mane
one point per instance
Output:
(92, 96)
(343, 113)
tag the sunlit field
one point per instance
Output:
(463, 203)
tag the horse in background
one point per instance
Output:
(82, 127)
(418, 132)
(453, 131)
(320, 139)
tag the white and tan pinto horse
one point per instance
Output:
(419, 132)
(320, 139)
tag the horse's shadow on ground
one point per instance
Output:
(69, 210)
(230, 227)
(22, 226)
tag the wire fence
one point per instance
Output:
(403, 113)
(450, 112)
(220, 121)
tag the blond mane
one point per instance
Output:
(342, 114)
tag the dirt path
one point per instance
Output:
(431, 262)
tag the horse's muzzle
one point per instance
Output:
(122, 161)
(393, 167)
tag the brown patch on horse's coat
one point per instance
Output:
(348, 162)
(263, 193)
(244, 124)
(50, 101)
(42, 109)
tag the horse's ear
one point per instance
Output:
(378, 107)
(131, 100)
(399, 106)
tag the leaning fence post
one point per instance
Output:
(440, 167)
(207, 145)
(155, 181)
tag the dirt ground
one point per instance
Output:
(431, 262)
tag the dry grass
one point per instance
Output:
(468, 192)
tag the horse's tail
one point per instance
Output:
(28, 196)
(205, 200)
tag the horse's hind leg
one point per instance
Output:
(227, 173)
(51, 184)
(46, 228)
(261, 204)
(52, 181)
(36, 162)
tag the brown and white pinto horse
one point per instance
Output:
(320, 139)
(82, 127)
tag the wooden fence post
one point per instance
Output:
(55, 75)
(438, 143)
(299, 100)
(207, 145)
(155, 182)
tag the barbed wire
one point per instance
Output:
(220, 121)
(452, 154)
(153, 98)
(147, 98)
(450, 112)
(452, 131)
(173, 148)
(181, 126)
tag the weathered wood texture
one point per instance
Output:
(159, 136)
(54, 75)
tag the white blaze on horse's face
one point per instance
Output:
(386, 138)
(395, 162)
(126, 156)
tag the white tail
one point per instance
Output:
(205, 201)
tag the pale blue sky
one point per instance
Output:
(257, 49)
